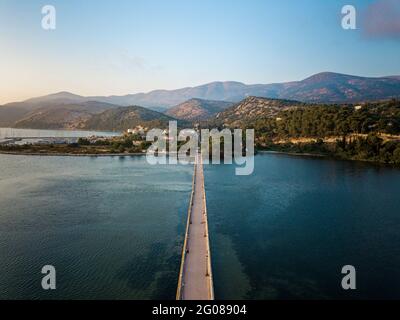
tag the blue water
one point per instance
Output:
(36, 135)
(286, 231)
(113, 228)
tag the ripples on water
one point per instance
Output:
(286, 231)
(112, 227)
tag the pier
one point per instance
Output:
(195, 276)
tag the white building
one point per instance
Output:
(137, 130)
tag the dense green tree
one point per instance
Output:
(83, 142)
(396, 155)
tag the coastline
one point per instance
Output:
(64, 129)
(49, 154)
(65, 154)
(103, 155)
(319, 155)
(330, 157)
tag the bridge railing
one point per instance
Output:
(207, 234)
(179, 292)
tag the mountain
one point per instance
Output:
(66, 110)
(326, 87)
(252, 109)
(197, 109)
(13, 112)
(226, 91)
(394, 77)
(56, 98)
(9, 115)
(63, 116)
(124, 118)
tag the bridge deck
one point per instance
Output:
(196, 275)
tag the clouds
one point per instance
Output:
(381, 19)
(124, 62)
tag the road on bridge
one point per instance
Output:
(196, 275)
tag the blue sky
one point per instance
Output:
(120, 47)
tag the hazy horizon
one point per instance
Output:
(193, 86)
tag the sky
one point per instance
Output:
(120, 47)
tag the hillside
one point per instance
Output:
(197, 109)
(70, 116)
(252, 109)
(369, 132)
(124, 118)
(204, 100)
(48, 112)
(329, 120)
(325, 87)
(9, 115)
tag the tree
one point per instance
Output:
(83, 142)
(396, 155)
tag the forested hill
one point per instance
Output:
(124, 118)
(331, 120)
(368, 132)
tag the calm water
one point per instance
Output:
(113, 227)
(286, 231)
(15, 133)
(27, 133)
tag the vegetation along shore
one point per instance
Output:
(368, 131)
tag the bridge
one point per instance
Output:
(195, 276)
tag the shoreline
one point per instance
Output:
(319, 155)
(61, 154)
(64, 154)
(61, 129)
(48, 154)
(104, 155)
(330, 157)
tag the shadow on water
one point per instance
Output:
(152, 272)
